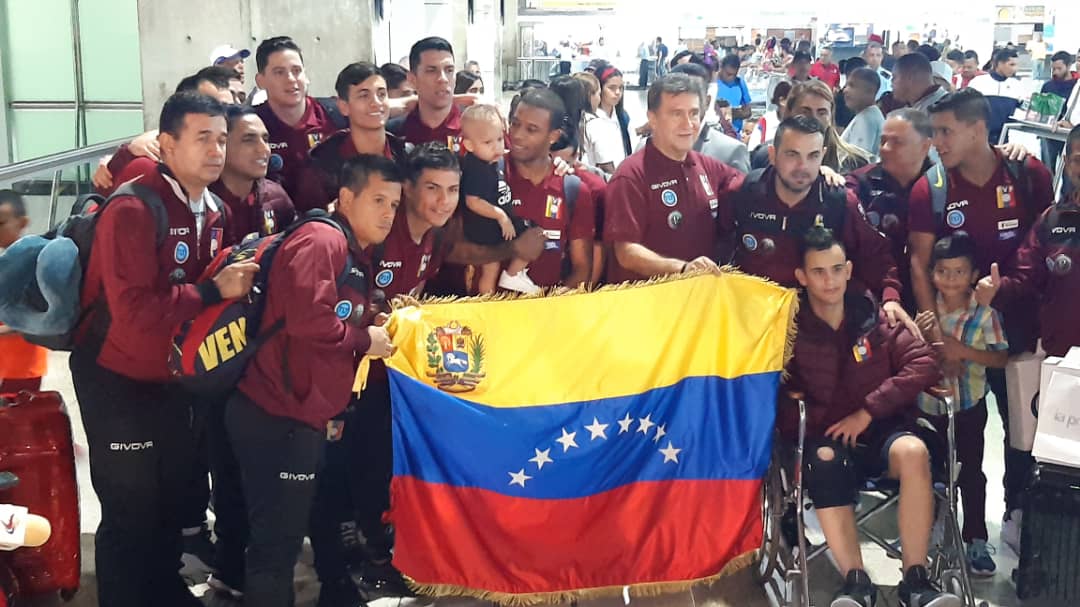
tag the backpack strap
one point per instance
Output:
(571, 188)
(151, 199)
(1021, 181)
(938, 179)
(752, 186)
(835, 202)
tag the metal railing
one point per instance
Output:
(64, 174)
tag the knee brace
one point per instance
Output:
(830, 482)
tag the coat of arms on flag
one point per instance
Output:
(550, 448)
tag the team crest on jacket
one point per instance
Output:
(455, 357)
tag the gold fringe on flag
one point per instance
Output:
(550, 598)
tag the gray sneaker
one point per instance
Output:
(916, 590)
(857, 591)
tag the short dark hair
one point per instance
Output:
(1073, 140)
(18, 206)
(929, 52)
(678, 57)
(868, 77)
(818, 238)
(1004, 54)
(463, 80)
(394, 75)
(217, 75)
(898, 43)
(968, 105)
(956, 245)
(916, 64)
(782, 90)
(731, 60)
(234, 112)
(802, 45)
(548, 100)
(179, 105)
(354, 74)
(432, 155)
(566, 140)
(1062, 56)
(800, 124)
(955, 55)
(802, 56)
(431, 43)
(676, 83)
(913, 45)
(692, 69)
(918, 119)
(972, 55)
(273, 45)
(853, 63)
(358, 170)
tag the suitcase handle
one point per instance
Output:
(1035, 405)
(8, 480)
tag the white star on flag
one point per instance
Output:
(660, 431)
(597, 429)
(645, 424)
(519, 478)
(624, 423)
(671, 454)
(567, 440)
(542, 457)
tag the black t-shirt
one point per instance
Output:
(480, 179)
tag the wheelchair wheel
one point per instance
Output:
(772, 505)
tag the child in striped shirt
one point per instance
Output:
(971, 339)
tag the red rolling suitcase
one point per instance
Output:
(35, 445)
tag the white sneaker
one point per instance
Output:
(520, 283)
(1010, 530)
(216, 584)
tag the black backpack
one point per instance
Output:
(211, 351)
(80, 227)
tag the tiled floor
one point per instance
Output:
(736, 591)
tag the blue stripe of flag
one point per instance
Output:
(713, 429)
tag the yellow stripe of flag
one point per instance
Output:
(543, 351)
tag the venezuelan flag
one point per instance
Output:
(546, 448)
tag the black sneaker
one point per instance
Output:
(916, 590)
(198, 557)
(384, 580)
(340, 593)
(857, 591)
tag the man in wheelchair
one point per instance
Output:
(861, 378)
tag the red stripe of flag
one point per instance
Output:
(642, 533)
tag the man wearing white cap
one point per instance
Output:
(230, 57)
(943, 75)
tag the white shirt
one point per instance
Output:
(603, 139)
(1010, 87)
(764, 136)
(198, 206)
(865, 129)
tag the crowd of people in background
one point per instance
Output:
(430, 190)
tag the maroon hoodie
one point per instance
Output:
(306, 370)
(148, 289)
(266, 210)
(1046, 269)
(895, 367)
